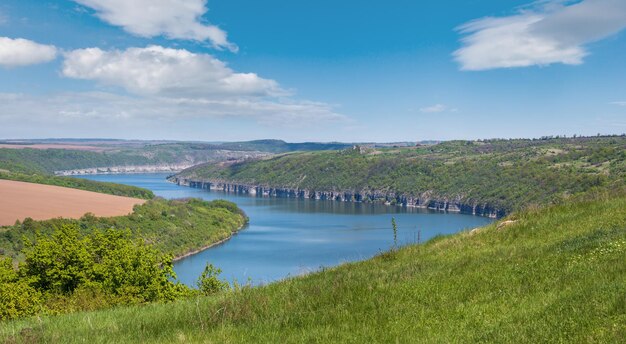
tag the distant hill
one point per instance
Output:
(48, 156)
(491, 177)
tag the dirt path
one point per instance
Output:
(19, 200)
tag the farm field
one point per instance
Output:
(19, 200)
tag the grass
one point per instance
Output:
(550, 275)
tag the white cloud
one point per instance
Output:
(163, 71)
(437, 108)
(621, 103)
(90, 108)
(556, 32)
(23, 52)
(169, 84)
(175, 19)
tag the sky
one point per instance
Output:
(352, 71)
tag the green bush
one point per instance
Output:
(17, 297)
(209, 282)
(69, 271)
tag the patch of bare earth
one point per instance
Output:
(19, 200)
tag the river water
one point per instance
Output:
(289, 237)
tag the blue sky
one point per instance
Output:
(321, 71)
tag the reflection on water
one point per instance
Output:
(288, 237)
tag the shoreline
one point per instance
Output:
(204, 248)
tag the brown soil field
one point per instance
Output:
(55, 146)
(19, 200)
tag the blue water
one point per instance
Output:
(288, 237)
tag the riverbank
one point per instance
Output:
(222, 241)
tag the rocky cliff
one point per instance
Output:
(172, 168)
(425, 200)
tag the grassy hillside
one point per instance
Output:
(552, 275)
(173, 227)
(504, 174)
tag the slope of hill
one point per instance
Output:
(491, 177)
(544, 275)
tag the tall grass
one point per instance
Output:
(555, 275)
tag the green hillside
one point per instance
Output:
(505, 175)
(172, 227)
(549, 275)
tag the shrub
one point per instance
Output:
(209, 282)
(17, 297)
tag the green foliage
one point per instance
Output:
(92, 263)
(172, 226)
(209, 282)
(502, 174)
(62, 270)
(82, 184)
(552, 275)
(17, 297)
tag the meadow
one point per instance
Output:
(550, 274)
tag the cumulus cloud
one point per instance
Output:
(437, 108)
(156, 70)
(552, 32)
(175, 84)
(22, 52)
(175, 19)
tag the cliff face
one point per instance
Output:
(425, 200)
(125, 169)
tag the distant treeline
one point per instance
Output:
(47, 161)
(504, 174)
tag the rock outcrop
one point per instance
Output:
(425, 200)
(170, 168)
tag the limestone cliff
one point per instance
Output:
(424, 200)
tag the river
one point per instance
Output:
(289, 237)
